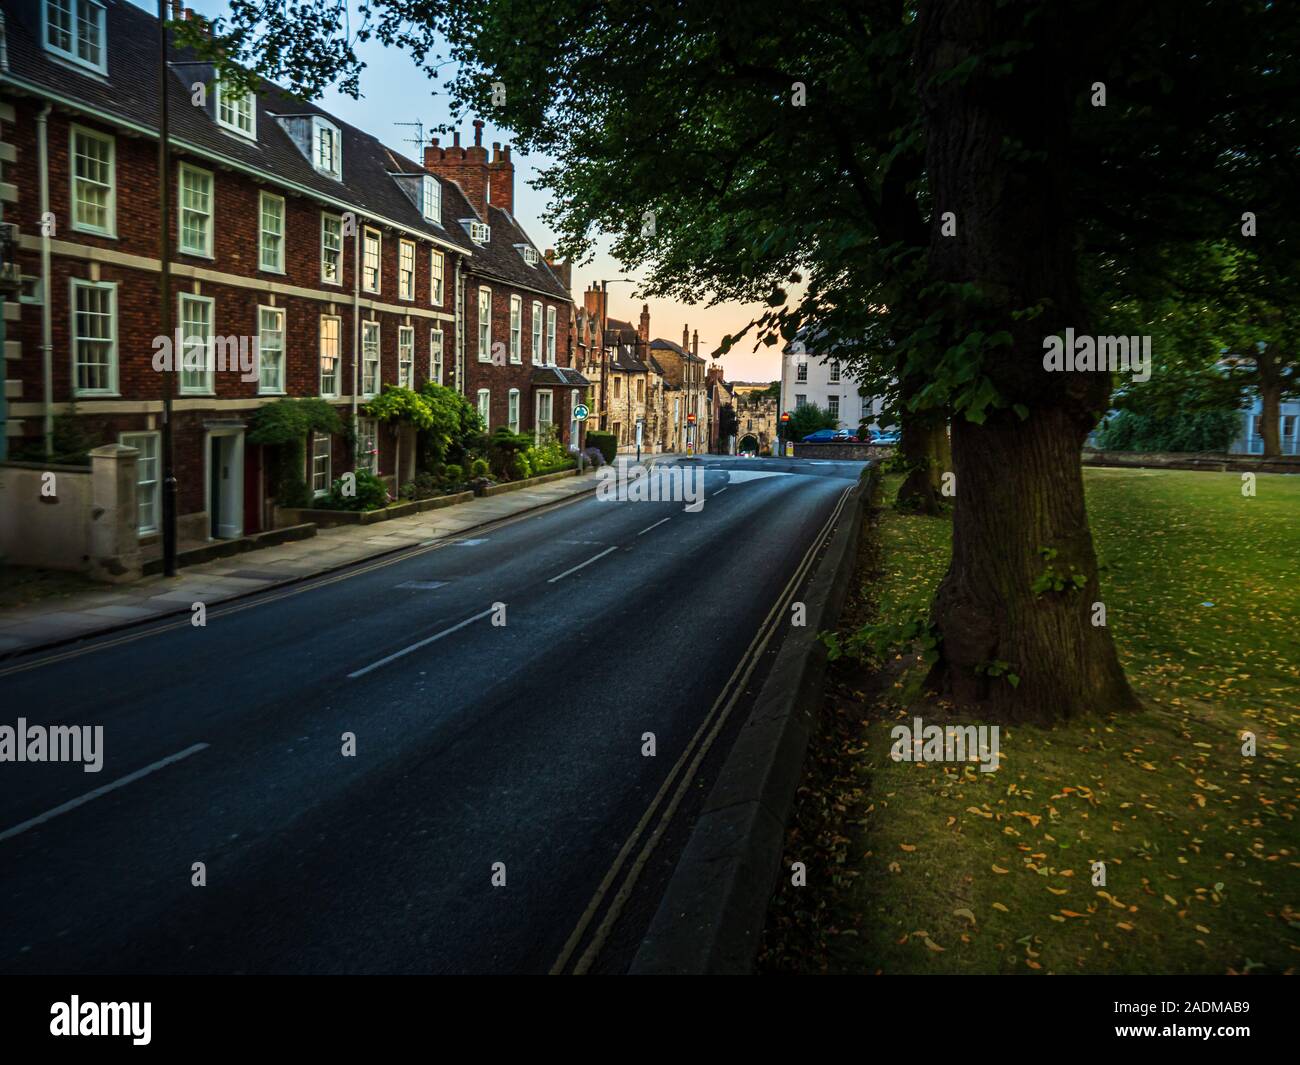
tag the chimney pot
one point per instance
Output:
(456, 139)
(478, 132)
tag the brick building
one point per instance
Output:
(346, 264)
(517, 365)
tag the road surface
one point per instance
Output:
(476, 743)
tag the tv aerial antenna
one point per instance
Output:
(418, 140)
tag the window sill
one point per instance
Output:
(94, 232)
(238, 134)
(81, 66)
(196, 254)
(79, 394)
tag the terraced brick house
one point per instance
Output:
(517, 364)
(349, 265)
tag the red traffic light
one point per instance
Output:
(785, 416)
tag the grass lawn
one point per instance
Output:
(938, 868)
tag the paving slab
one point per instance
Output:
(121, 612)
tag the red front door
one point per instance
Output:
(252, 488)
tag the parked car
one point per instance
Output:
(888, 437)
(845, 436)
(821, 436)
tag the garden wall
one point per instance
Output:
(1216, 461)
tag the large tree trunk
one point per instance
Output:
(1270, 394)
(923, 447)
(996, 156)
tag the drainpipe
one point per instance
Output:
(356, 326)
(460, 330)
(47, 346)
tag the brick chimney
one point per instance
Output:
(561, 270)
(686, 338)
(467, 167)
(643, 330)
(591, 301)
(714, 376)
(501, 179)
(695, 344)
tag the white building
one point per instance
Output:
(809, 378)
(1250, 438)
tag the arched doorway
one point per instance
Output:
(748, 442)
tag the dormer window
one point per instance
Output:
(480, 232)
(529, 253)
(431, 200)
(74, 29)
(237, 112)
(326, 147)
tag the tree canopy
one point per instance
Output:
(936, 188)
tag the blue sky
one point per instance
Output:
(394, 90)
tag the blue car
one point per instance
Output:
(890, 437)
(821, 436)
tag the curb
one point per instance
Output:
(218, 549)
(712, 913)
(8, 657)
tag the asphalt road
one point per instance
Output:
(476, 743)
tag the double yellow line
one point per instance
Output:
(695, 752)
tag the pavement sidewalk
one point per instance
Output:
(55, 621)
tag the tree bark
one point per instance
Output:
(1270, 395)
(923, 447)
(996, 152)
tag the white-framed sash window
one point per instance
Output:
(369, 358)
(147, 480)
(270, 350)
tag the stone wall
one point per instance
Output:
(73, 517)
(844, 452)
(1217, 461)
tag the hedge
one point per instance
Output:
(606, 442)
